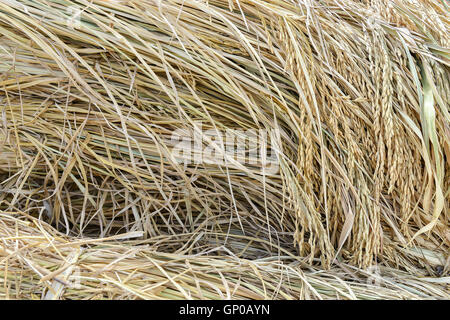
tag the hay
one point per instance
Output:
(352, 97)
(44, 264)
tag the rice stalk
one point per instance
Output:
(353, 97)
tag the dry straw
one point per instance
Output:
(354, 99)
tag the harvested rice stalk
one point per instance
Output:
(117, 117)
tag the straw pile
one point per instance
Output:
(352, 98)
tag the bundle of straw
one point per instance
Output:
(349, 168)
(44, 264)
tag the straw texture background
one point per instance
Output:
(355, 97)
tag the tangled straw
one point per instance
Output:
(353, 98)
